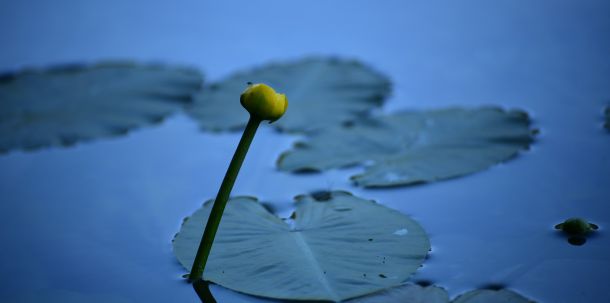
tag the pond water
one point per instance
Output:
(93, 223)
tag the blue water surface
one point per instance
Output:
(93, 223)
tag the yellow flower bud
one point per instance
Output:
(263, 103)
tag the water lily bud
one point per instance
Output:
(263, 103)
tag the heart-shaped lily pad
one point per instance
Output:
(414, 147)
(320, 91)
(337, 247)
(64, 105)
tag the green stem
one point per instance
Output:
(221, 200)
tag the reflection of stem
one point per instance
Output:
(221, 200)
(202, 288)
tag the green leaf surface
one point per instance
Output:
(67, 104)
(321, 92)
(413, 147)
(491, 296)
(337, 247)
(408, 293)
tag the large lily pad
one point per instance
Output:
(320, 91)
(337, 247)
(63, 105)
(414, 147)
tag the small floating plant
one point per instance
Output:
(577, 230)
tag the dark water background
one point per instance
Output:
(96, 220)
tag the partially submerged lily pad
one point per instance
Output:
(491, 296)
(68, 104)
(408, 293)
(321, 92)
(414, 147)
(334, 249)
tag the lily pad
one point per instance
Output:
(408, 293)
(334, 248)
(413, 147)
(321, 92)
(68, 104)
(491, 296)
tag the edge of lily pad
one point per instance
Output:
(534, 131)
(379, 100)
(74, 67)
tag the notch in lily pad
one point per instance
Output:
(321, 195)
(577, 230)
(323, 254)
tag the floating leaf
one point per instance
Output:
(413, 293)
(491, 296)
(337, 247)
(413, 147)
(408, 293)
(64, 105)
(320, 91)
(576, 230)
